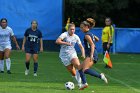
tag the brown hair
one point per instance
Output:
(85, 23)
(91, 21)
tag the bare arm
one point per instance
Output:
(23, 43)
(61, 42)
(82, 50)
(41, 45)
(15, 41)
(96, 38)
(89, 39)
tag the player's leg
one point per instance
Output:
(2, 61)
(27, 63)
(35, 58)
(71, 69)
(104, 47)
(86, 69)
(76, 63)
(7, 52)
(74, 73)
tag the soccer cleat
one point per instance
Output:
(83, 86)
(79, 85)
(103, 77)
(35, 74)
(26, 72)
(9, 72)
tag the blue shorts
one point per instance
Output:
(95, 56)
(31, 51)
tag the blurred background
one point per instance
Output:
(52, 17)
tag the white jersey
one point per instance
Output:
(5, 35)
(70, 39)
(67, 53)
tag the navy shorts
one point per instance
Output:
(31, 51)
(95, 56)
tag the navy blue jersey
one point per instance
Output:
(86, 43)
(88, 47)
(33, 37)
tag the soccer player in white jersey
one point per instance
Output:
(6, 34)
(68, 54)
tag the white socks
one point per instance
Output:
(78, 78)
(8, 63)
(1, 65)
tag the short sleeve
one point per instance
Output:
(26, 33)
(78, 39)
(63, 35)
(40, 34)
(11, 32)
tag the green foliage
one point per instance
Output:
(122, 12)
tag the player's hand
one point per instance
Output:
(23, 49)
(83, 56)
(108, 45)
(41, 49)
(69, 44)
(17, 46)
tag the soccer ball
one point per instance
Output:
(69, 85)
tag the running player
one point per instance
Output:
(68, 54)
(32, 38)
(89, 41)
(6, 34)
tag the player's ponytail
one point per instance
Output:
(91, 21)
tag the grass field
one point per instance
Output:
(123, 78)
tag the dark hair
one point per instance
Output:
(34, 21)
(109, 19)
(3, 19)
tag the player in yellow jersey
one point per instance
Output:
(107, 35)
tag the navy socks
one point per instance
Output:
(92, 73)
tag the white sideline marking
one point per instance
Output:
(121, 82)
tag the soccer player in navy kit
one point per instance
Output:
(89, 40)
(32, 44)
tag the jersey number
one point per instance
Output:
(32, 39)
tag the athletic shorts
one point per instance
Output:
(2, 48)
(31, 51)
(95, 56)
(66, 58)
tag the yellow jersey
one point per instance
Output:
(106, 33)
